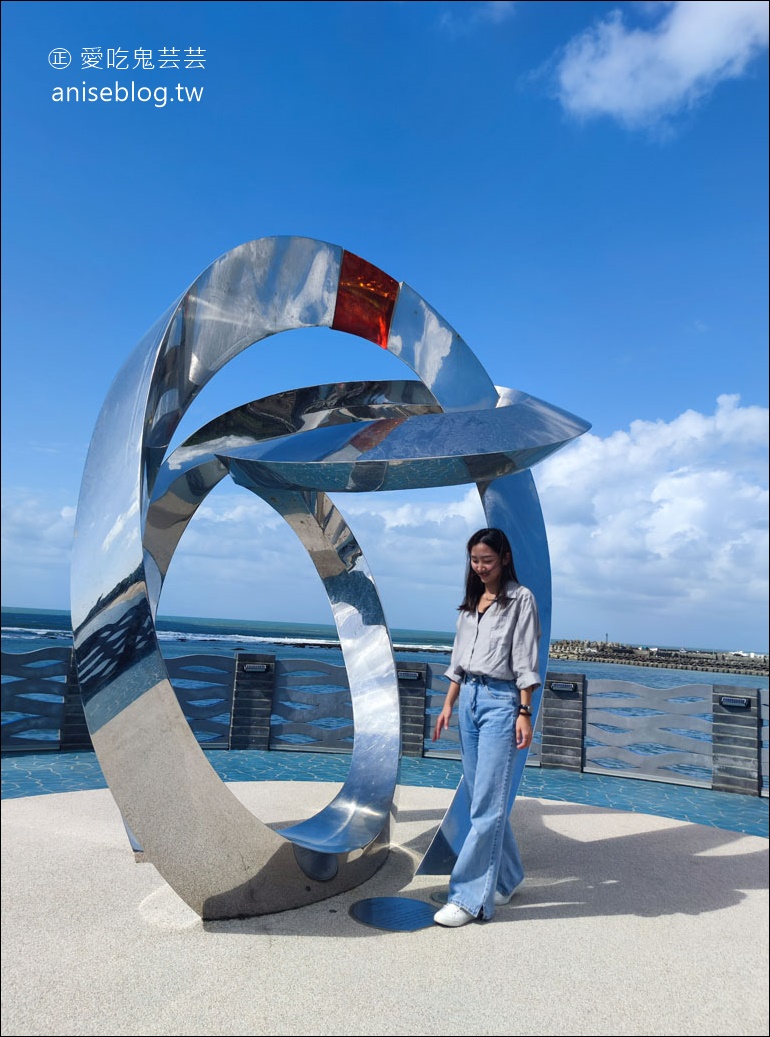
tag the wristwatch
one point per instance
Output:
(525, 711)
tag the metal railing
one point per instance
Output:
(711, 736)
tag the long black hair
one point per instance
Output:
(474, 588)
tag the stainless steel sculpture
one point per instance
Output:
(453, 426)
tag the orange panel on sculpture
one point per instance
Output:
(365, 300)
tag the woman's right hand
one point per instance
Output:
(442, 722)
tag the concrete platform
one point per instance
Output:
(628, 923)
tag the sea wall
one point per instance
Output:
(747, 664)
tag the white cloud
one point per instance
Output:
(36, 550)
(666, 523)
(465, 17)
(658, 534)
(640, 75)
(40, 529)
(494, 11)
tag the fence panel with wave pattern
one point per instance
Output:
(312, 708)
(204, 689)
(33, 691)
(641, 732)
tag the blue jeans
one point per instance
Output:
(489, 859)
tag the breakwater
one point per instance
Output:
(747, 664)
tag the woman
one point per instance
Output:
(493, 672)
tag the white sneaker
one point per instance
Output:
(453, 915)
(501, 899)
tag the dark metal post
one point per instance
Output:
(412, 683)
(563, 719)
(252, 701)
(74, 729)
(736, 740)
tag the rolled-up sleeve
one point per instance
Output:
(525, 643)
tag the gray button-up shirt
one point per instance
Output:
(501, 643)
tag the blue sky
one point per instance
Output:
(579, 188)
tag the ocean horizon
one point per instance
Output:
(26, 630)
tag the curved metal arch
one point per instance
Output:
(359, 811)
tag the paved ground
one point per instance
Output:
(628, 923)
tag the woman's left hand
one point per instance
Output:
(523, 731)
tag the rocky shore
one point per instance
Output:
(748, 664)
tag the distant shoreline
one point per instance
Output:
(750, 665)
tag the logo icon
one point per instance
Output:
(59, 58)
